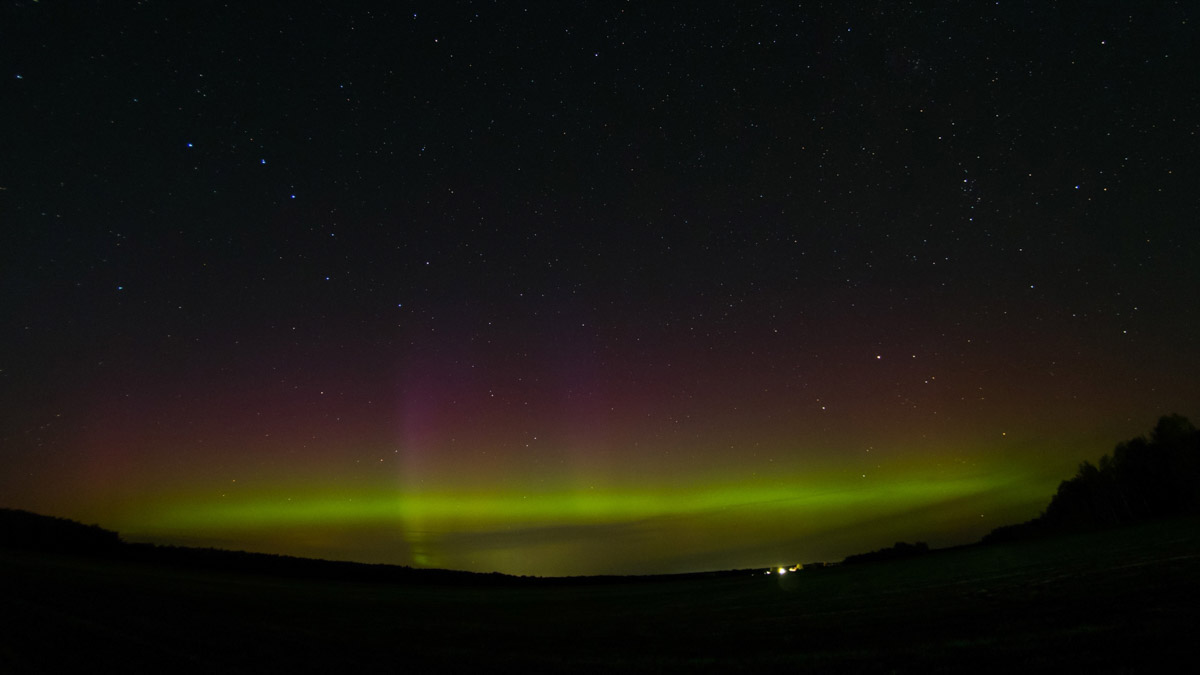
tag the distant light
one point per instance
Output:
(262, 161)
(783, 570)
(189, 145)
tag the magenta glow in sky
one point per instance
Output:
(588, 291)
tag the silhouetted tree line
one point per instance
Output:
(1143, 479)
(897, 552)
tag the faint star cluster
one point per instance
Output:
(528, 249)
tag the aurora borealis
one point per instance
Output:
(622, 288)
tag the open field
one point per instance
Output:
(1112, 601)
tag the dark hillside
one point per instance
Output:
(1118, 600)
(31, 531)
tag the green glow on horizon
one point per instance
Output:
(581, 521)
(470, 510)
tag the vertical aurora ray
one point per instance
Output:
(778, 309)
(568, 531)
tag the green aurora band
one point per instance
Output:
(458, 530)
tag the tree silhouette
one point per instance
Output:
(899, 551)
(1144, 478)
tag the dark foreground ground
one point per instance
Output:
(1111, 602)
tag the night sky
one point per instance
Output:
(576, 288)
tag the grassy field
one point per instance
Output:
(1114, 601)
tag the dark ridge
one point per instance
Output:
(23, 530)
(336, 570)
(34, 532)
(899, 551)
(1144, 479)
